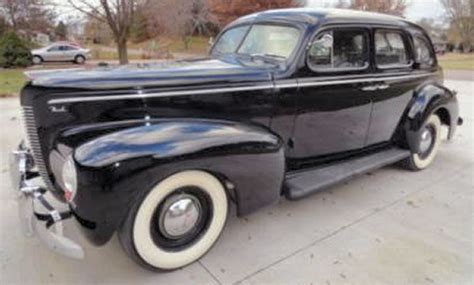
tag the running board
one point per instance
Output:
(302, 184)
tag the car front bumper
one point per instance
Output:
(37, 216)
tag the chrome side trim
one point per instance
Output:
(360, 80)
(159, 94)
(281, 84)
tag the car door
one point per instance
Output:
(53, 54)
(64, 55)
(70, 53)
(333, 109)
(395, 79)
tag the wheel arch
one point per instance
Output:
(431, 98)
(444, 116)
(37, 55)
(79, 55)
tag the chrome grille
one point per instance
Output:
(34, 144)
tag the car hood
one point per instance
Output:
(38, 50)
(171, 73)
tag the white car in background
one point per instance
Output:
(61, 52)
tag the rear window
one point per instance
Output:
(391, 50)
(423, 52)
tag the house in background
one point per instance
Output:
(39, 38)
(440, 45)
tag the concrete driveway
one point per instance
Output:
(388, 227)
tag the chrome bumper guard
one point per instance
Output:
(37, 215)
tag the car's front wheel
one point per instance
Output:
(177, 222)
(429, 141)
(37, 59)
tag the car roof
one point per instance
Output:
(313, 16)
(55, 44)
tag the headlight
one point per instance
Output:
(69, 179)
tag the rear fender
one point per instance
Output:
(430, 99)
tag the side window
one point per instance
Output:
(55, 48)
(423, 53)
(339, 50)
(69, 48)
(391, 50)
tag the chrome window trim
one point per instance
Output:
(280, 84)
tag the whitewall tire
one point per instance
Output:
(430, 140)
(177, 222)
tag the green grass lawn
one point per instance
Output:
(11, 81)
(457, 61)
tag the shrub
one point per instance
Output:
(14, 51)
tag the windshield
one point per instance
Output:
(260, 39)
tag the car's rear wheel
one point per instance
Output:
(79, 59)
(37, 59)
(429, 142)
(177, 222)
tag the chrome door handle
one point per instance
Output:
(370, 88)
(382, 86)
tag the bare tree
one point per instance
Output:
(226, 11)
(460, 14)
(27, 14)
(176, 21)
(181, 18)
(117, 14)
(202, 17)
(435, 29)
(392, 7)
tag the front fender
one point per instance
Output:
(173, 139)
(430, 99)
(117, 169)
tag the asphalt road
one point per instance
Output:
(388, 227)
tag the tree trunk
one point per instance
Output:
(122, 51)
(186, 42)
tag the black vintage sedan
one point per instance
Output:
(287, 103)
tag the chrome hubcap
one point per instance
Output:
(426, 140)
(180, 215)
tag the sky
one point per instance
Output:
(416, 9)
